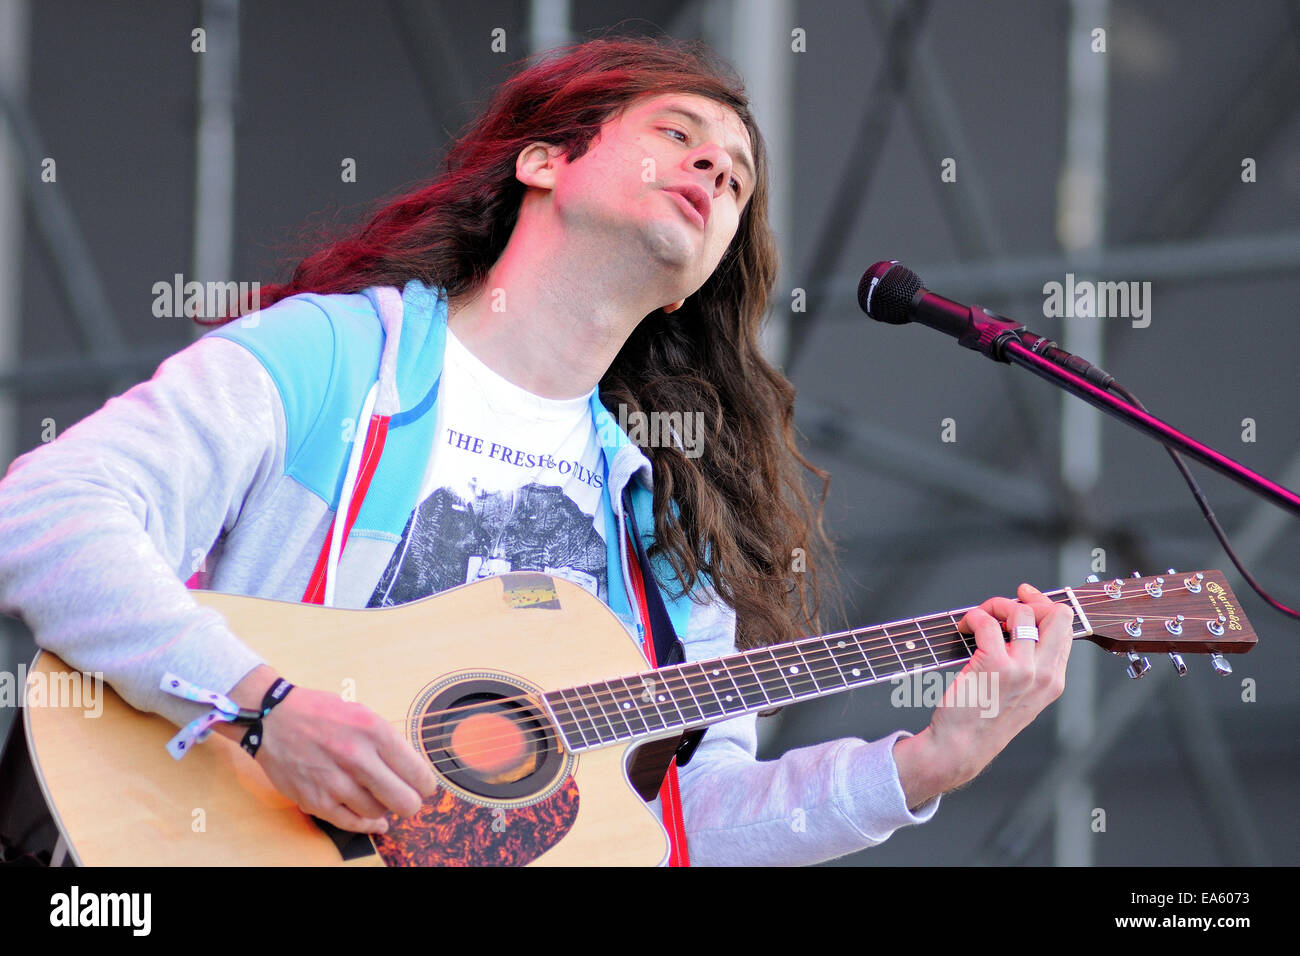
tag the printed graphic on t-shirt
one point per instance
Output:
(514, 482)
(451, 540)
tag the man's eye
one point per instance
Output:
(735, 184)
(669, 129)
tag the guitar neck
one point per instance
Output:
(699, 693)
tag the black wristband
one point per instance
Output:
(252, 741)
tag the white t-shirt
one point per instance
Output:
(514, 483)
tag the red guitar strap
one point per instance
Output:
(669, 794)
(376, 434)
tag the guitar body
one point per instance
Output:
(486, 649)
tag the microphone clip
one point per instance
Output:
(989, 334)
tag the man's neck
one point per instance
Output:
(552, 316)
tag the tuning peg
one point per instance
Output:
(1137, 574)
(1156, 588)
(1092, 579)
(1215, 627)
(1220, 665)
(1175, 625)
(1170, 571)
(1133, 628)
(1137, 666)
(1193, 584)
(1180, 665)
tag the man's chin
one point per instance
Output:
(677, 253)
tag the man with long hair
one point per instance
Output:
(432, 399)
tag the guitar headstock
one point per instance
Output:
(1188, 613)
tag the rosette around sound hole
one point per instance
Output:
(490, 738)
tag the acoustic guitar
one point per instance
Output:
(533, 706)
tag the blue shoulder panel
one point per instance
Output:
(322, 385)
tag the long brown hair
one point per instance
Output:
(746, 521)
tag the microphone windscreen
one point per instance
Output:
(886, 291)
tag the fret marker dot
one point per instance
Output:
(728, 698)
(856, 672)
(839, 643)
(662, 697)
(911, 645)
(794, 669)
(627, 706)
(716, 672)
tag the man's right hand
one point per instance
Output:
(336, 760)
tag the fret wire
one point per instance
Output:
(781, 673)
(762, 689)
(613, 701)
(853, 666)
(671, 694)
(957, 630)
(555, 699)
(604, 712)
(909, 643)
(865, 659)
(928, 646)
(649, 688)
(726, 669)
(808, 668)
(708, 682)
(576, 719)
(681, 669)
(795, 673)
(843, 680)
(595, 725)
(634, 705)
(893, 645)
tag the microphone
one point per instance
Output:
(891, 292)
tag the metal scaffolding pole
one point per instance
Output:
(1204, 260)
(549, 24)
(13, 88)
(214, 152)
(760, 48)
(1081, 229)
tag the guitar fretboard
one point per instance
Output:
(699, 693)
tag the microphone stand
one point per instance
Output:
(1000, 340)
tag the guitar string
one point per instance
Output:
(771, 668)
(544, 731)
(601, 699)
(821, 656)
(787, 649)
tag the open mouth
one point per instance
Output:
(688, 207)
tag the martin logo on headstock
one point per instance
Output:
(1219, 594)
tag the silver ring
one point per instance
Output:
(1026, 632)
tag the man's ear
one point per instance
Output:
(536, 163)
(674, 306)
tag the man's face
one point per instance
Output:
(672, 173)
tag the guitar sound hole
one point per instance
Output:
(484, 737)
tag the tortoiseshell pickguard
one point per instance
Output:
(451, 831)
